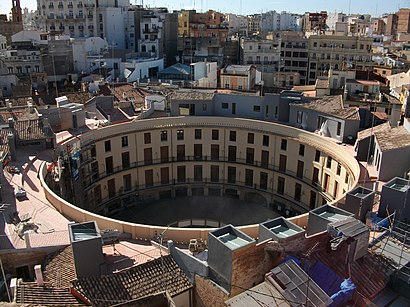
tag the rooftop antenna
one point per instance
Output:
(350, 3)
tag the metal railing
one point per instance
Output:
(92, 178)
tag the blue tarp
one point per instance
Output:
(338, 288)
(340, 298)
(378, 221)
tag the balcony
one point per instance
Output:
(90, 16)
(89, 5)
(60, 16)
(79, 16)
(60, 6)
(50, 17)
(70, 6)
(153, 30)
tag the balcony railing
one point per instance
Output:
(128, 197)
(92, 178)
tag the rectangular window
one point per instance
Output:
(163, 150)
(97, 194)
(251, 138)
(329, 162)
(339, 169)
(214, 152)
(250, 155)
(148, 156)
(164, 175)
(281, 185)
(181, 173)
(214, 173)
(263, 182)
(249, 177)
(317, 156)
(315, 176)
(265, 140)
(149, 178)
(124, 141)
(301, 150)
(126, 181)
(232, 136)
(339, 128)
(111, 188)
(231, 174)
(232, 153)
(109, 165)
(180, 135)
(264, 158)
(347, 178)
(299, 117)
(298, 191)
(256, 108)
(180, 152)
(197, 151)
(147, 138)
(164, 135)
(198, 134)
(224, 105)
(326, 183)
(336, 189)
(282, 163)
(299, 172)
(215, 134)
(197, 172)
(312, 201)
(107, 145)
(283, 144)
(125, 157)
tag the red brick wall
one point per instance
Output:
(207, 293)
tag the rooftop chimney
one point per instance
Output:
(39, 275)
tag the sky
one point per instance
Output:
(373, 7)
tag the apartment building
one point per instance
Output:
(201, 36)
(237, 24)
(403, 23)
(157, 33)
(294, 52)
(314, 21)
(241, 77)
(283, 21)
(88, 18)
(254, 24)
(338, 52)
(263, 53)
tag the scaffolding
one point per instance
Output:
(393, 244)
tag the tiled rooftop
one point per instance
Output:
(59, 268)
(31, 293)
(361, 135)
(29, 130)
(191, 95)
(332, 105)
(393, 138)
(126, 92)
(138, 281)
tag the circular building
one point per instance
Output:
(198, 172)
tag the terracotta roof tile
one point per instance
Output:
(393, 138)
(59, 268)
(332, 105)
(31, 293)
(138, 281)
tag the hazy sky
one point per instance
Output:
(374, 7)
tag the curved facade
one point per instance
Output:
(287, 169)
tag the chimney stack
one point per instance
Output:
(39, 275)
